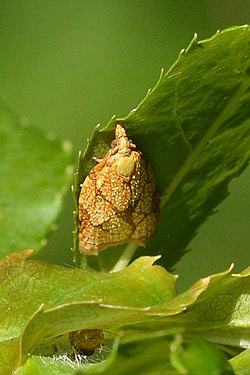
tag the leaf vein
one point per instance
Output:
(187, 165)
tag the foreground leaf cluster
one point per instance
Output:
(137, 304)
(194, 128)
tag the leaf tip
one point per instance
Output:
(195, 38)
(182, 52)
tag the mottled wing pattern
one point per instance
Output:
(118, 202)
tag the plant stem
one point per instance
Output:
(125, 258)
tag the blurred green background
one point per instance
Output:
(67, 65)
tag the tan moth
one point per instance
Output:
(118, 202)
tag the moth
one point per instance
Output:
(118, 202)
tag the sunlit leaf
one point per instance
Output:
(241, 363)
(34, 174)
(54, 300)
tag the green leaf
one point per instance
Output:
(149, 353)
(70, 299)
(223, 310)
(241, 363)
(34, 175)
(198, 357)
(194, 128)
(137, 300)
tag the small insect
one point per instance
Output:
(118, 202)
(86, 341)
(83, 342)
